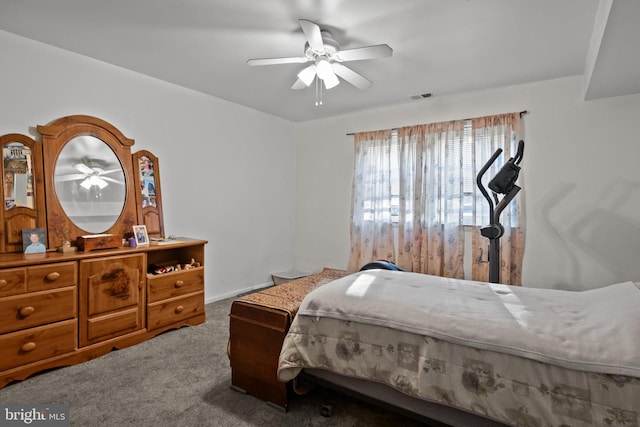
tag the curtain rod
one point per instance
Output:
(522, 113)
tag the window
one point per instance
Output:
(469, 158)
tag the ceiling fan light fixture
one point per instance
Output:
(86, 184)
(93, 180)
(101, 183)
(325, 72)
(331, 81)
(324, 69)
(308, 74)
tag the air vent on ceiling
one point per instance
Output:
(424, 95)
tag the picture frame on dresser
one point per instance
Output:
(33, 240)
(141, 235)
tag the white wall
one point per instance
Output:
(227, 171)
(581, 179)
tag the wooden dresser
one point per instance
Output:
(257, 326)
(59, 309)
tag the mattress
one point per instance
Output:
(482, 380)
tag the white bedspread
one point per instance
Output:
(595, 331)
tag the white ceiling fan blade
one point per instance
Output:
(111, 171)
(351, 76)
(70, 177)
(299, 84)
(83, 168)
(278, 61)
(106, 178)
(312, 33)
(360, 53)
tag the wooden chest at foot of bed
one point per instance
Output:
(255, 338)
(257, 326)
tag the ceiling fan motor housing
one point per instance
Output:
(330, 48)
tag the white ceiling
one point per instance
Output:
(439, 46)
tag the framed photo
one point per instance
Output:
(33, 240)
(140, 234)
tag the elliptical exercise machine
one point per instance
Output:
(502, 183)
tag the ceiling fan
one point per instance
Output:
(327, 58)
(91, 173)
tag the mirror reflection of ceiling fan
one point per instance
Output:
(327, 58)
(91, 174)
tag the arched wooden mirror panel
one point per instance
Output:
(22, 190)
(148, 194)
(88, 177)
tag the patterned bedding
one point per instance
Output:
(506, 387)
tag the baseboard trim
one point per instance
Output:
(238, 292)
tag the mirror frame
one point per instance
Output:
(148, 215)
(21, 217)
(54, 137)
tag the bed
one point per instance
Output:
(491, 353)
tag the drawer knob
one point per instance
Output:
(25, 311)
(29, 346)
(179, 309)
(54, 275)
(179, 283)
(3, 282)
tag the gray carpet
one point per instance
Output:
(181, 378)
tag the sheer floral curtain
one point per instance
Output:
(489, 134)
(371, 225)
(430, 228)
(434, 198)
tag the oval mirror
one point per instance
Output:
(90, 183)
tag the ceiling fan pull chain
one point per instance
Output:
(318, 91)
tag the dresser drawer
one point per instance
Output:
(108, 326)
(174, 310)
(31, 345)
(175, 284)
(50, 276)
(37, 308)
(13, 281)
